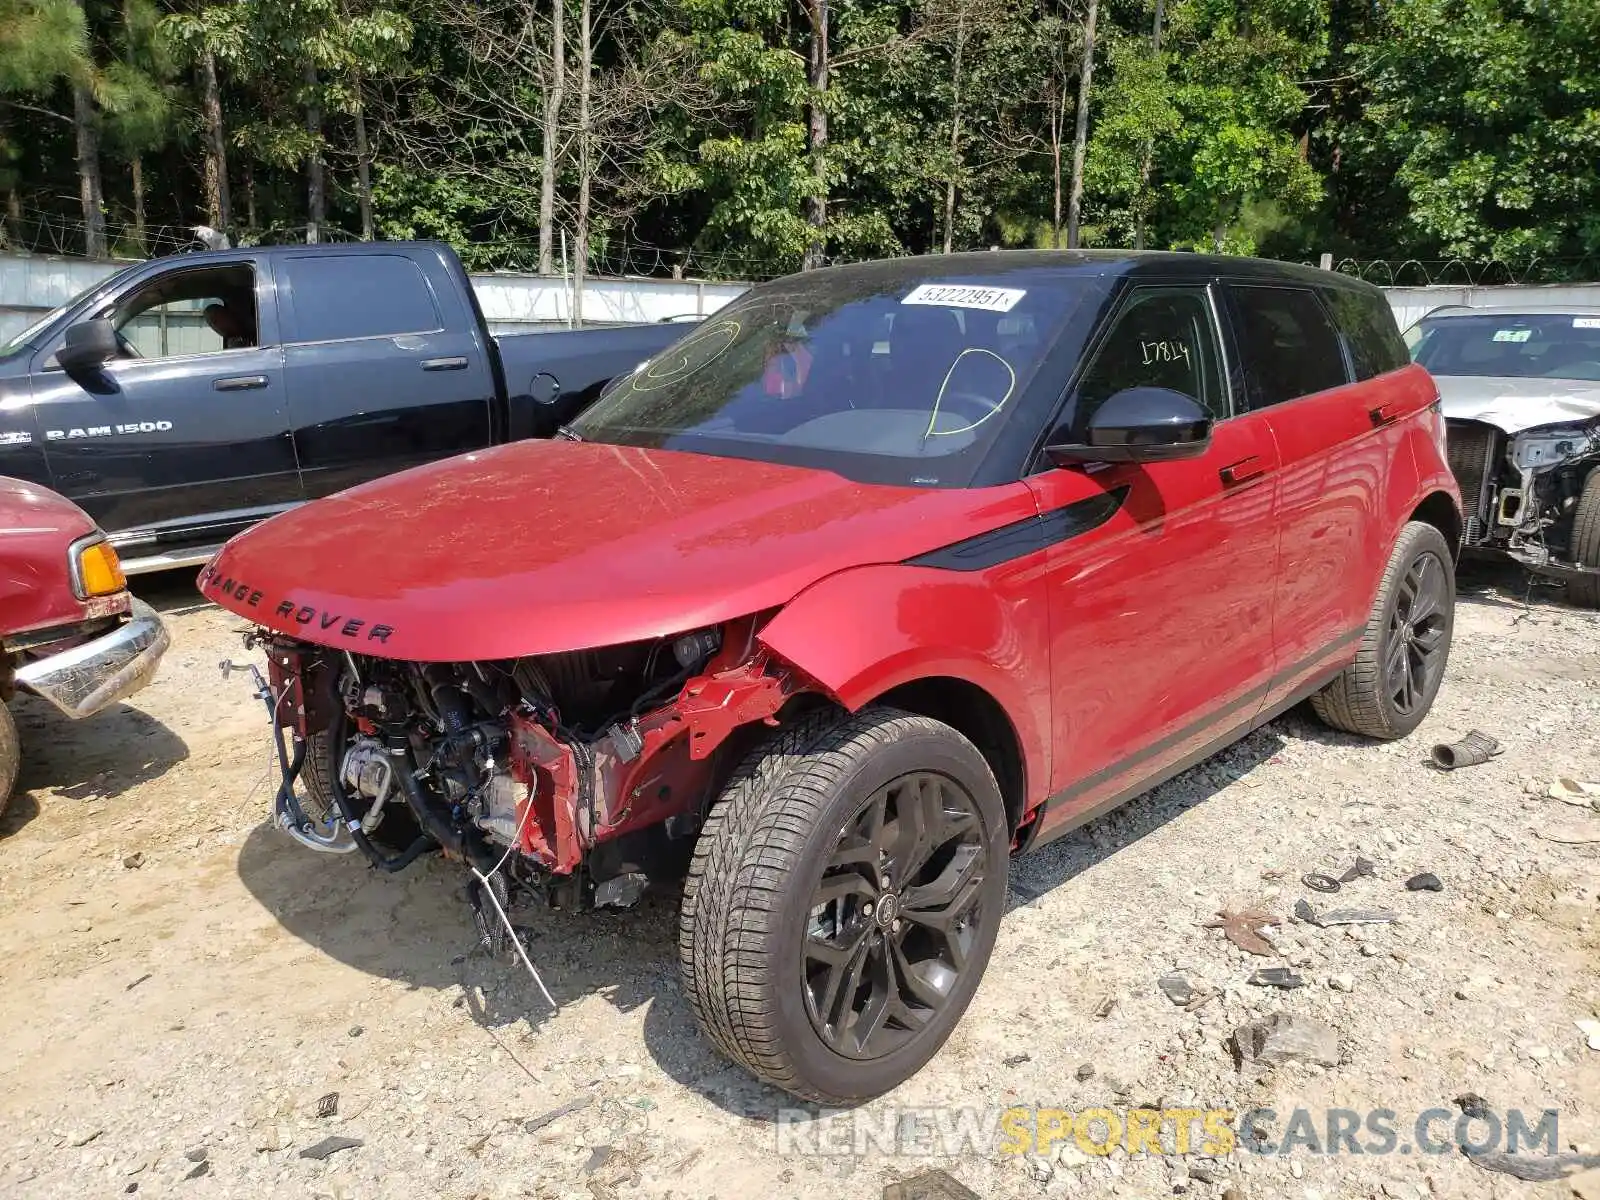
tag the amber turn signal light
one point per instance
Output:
(98, 571)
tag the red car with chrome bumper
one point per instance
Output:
(70, 631)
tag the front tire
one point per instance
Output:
(10, 755)
(1391, 685)
(843, 901)
(1584, 590)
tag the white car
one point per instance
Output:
(1521, 391)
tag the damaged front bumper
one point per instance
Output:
(83, 679)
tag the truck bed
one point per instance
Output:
(581, 361)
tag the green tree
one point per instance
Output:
(1488, 113)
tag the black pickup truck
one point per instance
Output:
(183, 399)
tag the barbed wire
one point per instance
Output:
(68, 237)
(1464, 272)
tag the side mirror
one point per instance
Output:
(88, 344)
(1140, 424)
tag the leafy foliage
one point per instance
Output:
(1425, 128)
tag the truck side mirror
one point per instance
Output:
(1139, 424)
(89, 344)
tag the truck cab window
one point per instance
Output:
(189, 312)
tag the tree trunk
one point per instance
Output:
(316, 195)
(1141, 202)
(85, 122)
(1080, 137)
(11, 228)
(817, 137)
(554, 95)
(250, 195)
(216, 146)
(363, 164)
(136, 167)
(955, 131)
(1056, 123)
(585, 159)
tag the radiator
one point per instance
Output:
(1473, 449)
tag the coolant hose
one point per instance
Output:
(1477, 747)
(288, 771)
(463, 842)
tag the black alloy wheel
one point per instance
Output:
(1416, 642)
(845, 895)
(894, 915)
(1405, 645)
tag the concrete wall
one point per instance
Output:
(32, 285)
(1411, 303)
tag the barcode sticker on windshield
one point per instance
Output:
(1512, 335)
(966, 295)
(1586, 322)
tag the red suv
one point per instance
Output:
(881, 575)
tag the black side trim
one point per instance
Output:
(1232, 731)
(1026, 536)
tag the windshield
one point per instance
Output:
(21, 341)
(1510, 345)
(876, 375)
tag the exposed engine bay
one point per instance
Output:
(1520, 490)
(574, 778)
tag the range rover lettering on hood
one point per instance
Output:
(358, 628)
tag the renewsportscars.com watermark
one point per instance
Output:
(1209, 1132)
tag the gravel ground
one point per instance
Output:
(183, 986)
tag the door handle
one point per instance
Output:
(456, 362)
(1384, 414)
(1242, 471)
(239, 383)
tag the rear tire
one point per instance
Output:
(1584, 590)
(10, 755)
(806, 957)
(1391, 685)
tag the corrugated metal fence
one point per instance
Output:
(32, 285)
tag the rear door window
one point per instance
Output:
(341, 296)
(1289, 344)
(1367, 327)
(1161, 337)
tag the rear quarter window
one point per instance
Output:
(1367, 327)
(341, 296)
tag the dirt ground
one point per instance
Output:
(181, 984)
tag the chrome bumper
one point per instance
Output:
(88, 677)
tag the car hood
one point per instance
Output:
(545, 546)
(1512, 405)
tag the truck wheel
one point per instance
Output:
(843, 900)
(10, 755)
(1584, 590)
(1389, 688)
